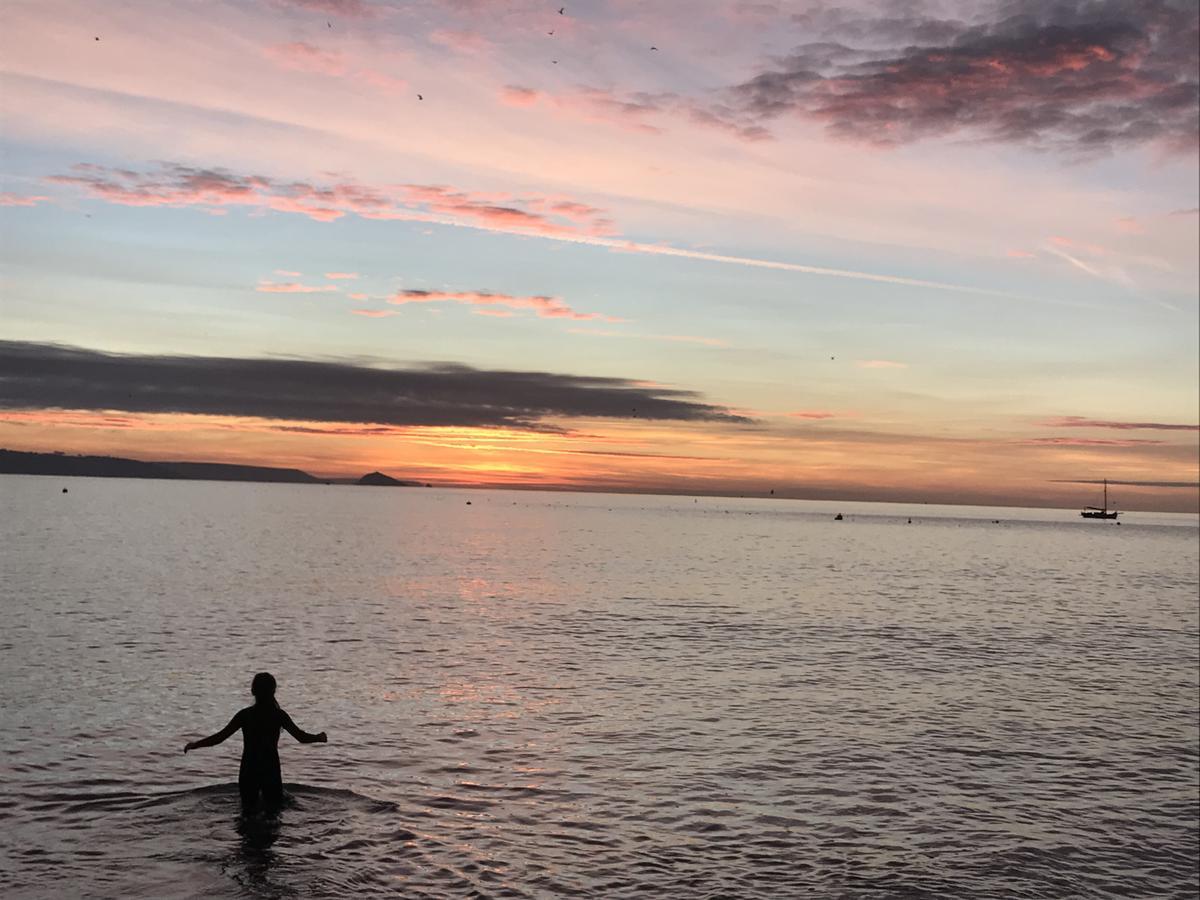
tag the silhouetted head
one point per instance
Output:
(263, 689)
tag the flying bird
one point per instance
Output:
(653, 48)
(419, 97)
(560, 10)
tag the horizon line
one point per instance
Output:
(330, 479)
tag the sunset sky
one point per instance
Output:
(895, 251)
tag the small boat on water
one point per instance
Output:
(1100, 512)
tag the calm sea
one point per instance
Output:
(540, 695)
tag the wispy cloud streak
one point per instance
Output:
(1151, 484)
(812, 414)
(10, 199)
(1088, 442)
(1082, 422)
(214, 190)
(294, 287)
(544, 307)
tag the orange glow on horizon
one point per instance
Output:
(789, 456)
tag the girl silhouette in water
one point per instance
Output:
(260, 724)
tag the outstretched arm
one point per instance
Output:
(299, 733)
(213, 739)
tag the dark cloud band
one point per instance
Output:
(50, 376)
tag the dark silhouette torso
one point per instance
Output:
(259, 772)
(260, 725)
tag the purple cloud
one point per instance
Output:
(1078, 76)
(1081, 422)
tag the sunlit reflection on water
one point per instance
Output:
(544, 695)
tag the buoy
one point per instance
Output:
(64, 490)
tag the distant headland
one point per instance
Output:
(16, 462)
(378, 479)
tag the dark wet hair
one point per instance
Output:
(263, 689)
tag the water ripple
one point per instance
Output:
(595, 696)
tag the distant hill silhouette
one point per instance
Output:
(227, 472)
(16, 462)
(378, 479)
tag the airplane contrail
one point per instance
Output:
(628, 246)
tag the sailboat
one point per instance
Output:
(1100, 512)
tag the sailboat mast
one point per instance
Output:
(1106, 495)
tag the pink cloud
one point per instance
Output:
(461, 40)
(1021, 254)
(288, 273)
(502, 211)
(515, 95)
(7, 199)
(630, 111)
(381, 80)
(356, 9)
(543, 306)
(644, 111)
(357, 296)
(757, 13)
(880, 364)
(1070, 77)
(292, 287)
(213, 190)
(1130, 225)
(334, 276)
(374, 313)
(1081, 422)
(580, 212)
(716, 118)
(1094, 249)
(812, 414)
(497, 313)
(299, 56)
(303, 57)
